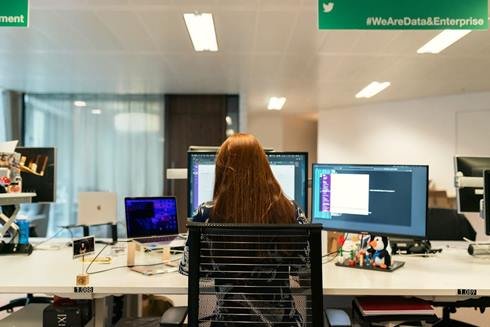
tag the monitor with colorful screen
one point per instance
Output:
(380, 199)
(289, 168)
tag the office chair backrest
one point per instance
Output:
(255, 275)
(447, 225)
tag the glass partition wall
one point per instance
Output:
(104, 143)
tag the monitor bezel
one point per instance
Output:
(189, 174)
(313, 220)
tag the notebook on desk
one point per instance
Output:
(152, 221)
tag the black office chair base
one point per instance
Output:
(446, 320)
(452, 323)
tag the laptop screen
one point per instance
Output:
(154, 216)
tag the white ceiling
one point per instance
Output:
(267, 48)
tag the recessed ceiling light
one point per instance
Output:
(79, 103)
(372, 89)
(276, 103)
(96, 111)
(442, 41)
(202, 32)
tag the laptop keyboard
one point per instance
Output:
(156, 239)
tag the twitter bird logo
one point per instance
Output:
(327, 7)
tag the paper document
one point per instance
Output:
(9, 146)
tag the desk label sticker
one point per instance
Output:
(83, 289)
(467, 291)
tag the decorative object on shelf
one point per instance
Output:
(33, 165)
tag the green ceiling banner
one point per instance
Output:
(14, 13)
(403, 14)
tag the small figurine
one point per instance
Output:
(381, 256)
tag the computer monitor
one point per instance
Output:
(486, 197)
(386, 200)
(469, 197)
(38, 172)
(289, 168)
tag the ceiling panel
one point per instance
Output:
(274, 30)
(167, 30)
(306, 38)
(235, 30)
(267, 47)
(134, 39)
(89, 27)
(339, 41)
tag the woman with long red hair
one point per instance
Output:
(246, 192)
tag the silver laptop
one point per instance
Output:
(97, 208)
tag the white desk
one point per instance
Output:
(440, 275)
(53, 272)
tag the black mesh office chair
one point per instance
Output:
(447, 225)
(253, 275)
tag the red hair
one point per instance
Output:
(245, 190)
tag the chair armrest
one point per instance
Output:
(174, 316)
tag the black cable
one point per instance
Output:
(104, 270)
(329, 260)
(126, 266)
(69, 230)
(329, 254)
(91, 262)
(50, 238)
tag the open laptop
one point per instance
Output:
(152, 221)
(97, 208)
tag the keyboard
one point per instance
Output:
(15, 248)
(156, 239)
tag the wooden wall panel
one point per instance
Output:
(190, 120)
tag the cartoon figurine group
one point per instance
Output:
(374, 251)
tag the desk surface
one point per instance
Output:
(54, 271)
(440, 275)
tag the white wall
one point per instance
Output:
(300, 134)
(422, 131)
(285, 132)
(268, 128)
